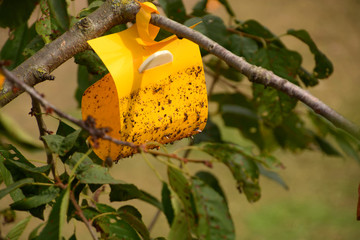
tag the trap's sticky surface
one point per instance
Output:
(162, 104)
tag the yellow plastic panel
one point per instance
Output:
(161, 104)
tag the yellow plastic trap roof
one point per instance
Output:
(156, 104)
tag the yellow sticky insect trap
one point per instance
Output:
(155, 91)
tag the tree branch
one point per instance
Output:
(88, 125)
(80, 213)
(68, 44)
(257, 74)
(36, 111)
(114, 12)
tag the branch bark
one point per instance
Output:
(68, 44)
(257, 74)
(114, 12)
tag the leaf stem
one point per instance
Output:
(151, 166)
(103, 214)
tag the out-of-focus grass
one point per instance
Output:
(305, 219)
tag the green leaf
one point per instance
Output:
(21, 170)
(92, 62)
(254, 28)
(33, 234)
(174, 9)
(273, 176)
(200, 8)
(243, 168)
(166, 202)
(15, 45)
(73, 237)
(53, 228)
(292, 134)
(103, 208)
(122, 230)
(12, 131)
(54, 20)
(77, 189)
(307, 78)
(243, 46)
(211, 133)
(101, 222)
(227, 7)
(88, 172)
(44, 197)
(323, 66)
(181, 186)
(38, 212)
(326, 147)
(54, 142)
(345, 144)
(212, 182)
(33, 46)
(58, 11)
(218, 66)
(17, 194)
(91, 212)
(211, 26)
(348, 144)
(64, 205)
(180, 228)
(133, 217)
(82, 161)
(64, 129)
(84, 80)
(131, 210)
(124, 192)
(274, 106)
(237, 111)
(15, 186)
(214, 220)
(18, 229)
(74, 141)
(43, 25)
(91, 8)
(13, 15)
(69, 142)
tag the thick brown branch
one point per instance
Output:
(70, 43)
(257, 74)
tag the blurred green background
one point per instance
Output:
(322, 199)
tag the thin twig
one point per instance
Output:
(257, 74)
(112, 13)
(36, 111)
(154, 220)
(216, 78)
(80, 213)
(182, 159)
(49, 108)
(98, 133)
